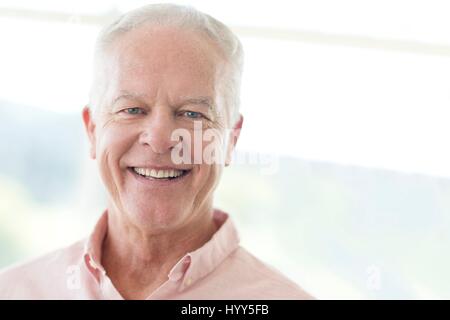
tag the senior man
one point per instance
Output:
(163, 75)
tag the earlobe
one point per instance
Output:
(92, 152)
(89, 125)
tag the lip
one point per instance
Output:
(158, 182)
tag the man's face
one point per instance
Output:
(158, 81)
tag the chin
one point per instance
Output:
(157, 218)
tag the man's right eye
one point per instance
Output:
(133, 111)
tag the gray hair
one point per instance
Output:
(185, 17)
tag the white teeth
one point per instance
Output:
(158, 174)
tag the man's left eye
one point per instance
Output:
(193, 114)
(134, 110)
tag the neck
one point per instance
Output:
(138, 262)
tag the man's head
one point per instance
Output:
(161, 69)
(152, 16)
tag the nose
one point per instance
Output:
(157, 131)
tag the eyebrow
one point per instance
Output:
(126, 95)
(202, 100)
(206, 101)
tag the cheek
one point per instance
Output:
(209, 176)
(207, 179)
(106, 173)
(115, 141)
(213, 152)
(112, 144)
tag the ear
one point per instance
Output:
(233, 138)
(89, 125)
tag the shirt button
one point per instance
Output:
(93, 264)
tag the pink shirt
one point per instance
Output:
(220, 269)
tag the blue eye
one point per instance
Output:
(193, 114)
(133, 111)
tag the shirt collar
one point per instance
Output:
(197, 264)
(93, 246)
(192, 267)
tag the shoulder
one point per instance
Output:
(26, 280)
(255, 279)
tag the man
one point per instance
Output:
(165, 75)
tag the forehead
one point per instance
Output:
(163, 60)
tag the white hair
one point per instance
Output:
(185, 17)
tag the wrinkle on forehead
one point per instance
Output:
(158, 49)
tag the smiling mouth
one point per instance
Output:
(155, 174)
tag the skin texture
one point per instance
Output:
(152, 72)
